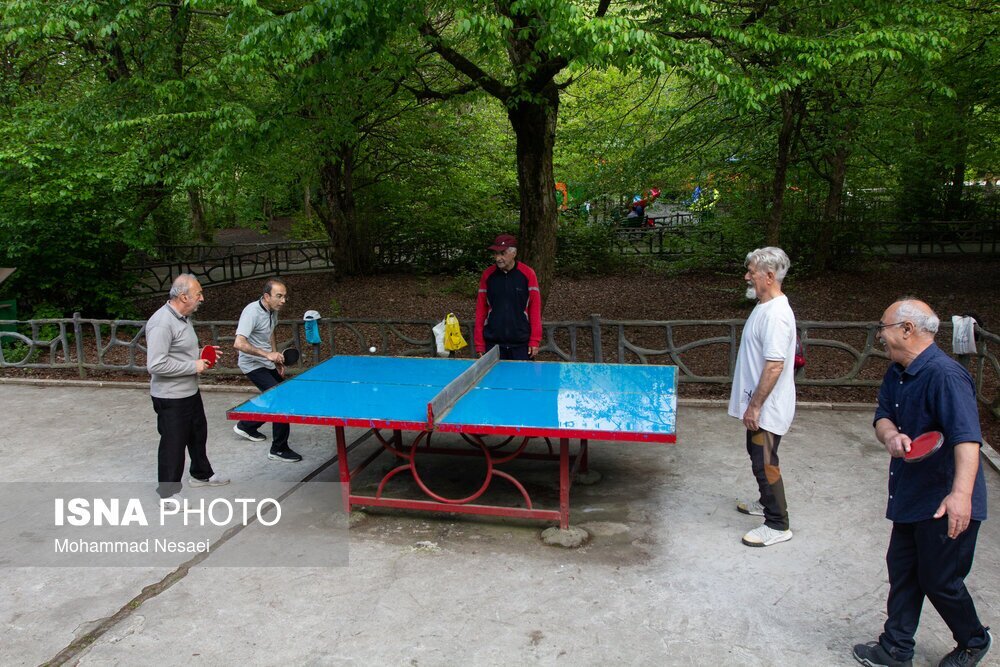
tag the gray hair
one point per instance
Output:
(770, 258)
(924, 319)
(181, 285)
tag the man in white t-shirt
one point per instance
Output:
(763, 395)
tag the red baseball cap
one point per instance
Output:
(503, 242)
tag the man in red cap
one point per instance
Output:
(509, 305)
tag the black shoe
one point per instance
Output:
(168, 489)
(284, 455)
(873, 655)
(966, 657)
(252, 436)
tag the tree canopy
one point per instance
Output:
(126, 126)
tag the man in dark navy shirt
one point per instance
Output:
(509, 305)
(937, 504)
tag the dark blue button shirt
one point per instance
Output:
(933, 393)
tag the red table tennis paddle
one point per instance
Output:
(923, 446)
(209, 354)
(291, 356)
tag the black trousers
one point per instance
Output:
(510, 352)
(264, 379)
(762, 446)
(182, 426)
(923, 561)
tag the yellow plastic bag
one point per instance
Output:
(453, 339)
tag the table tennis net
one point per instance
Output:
(454, 390)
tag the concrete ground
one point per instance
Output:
(663, 581)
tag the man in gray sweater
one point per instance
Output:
(174, 363)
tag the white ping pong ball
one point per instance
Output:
(371, 349)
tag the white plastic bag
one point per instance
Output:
(438, 330)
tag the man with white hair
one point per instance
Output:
(174, 365)
(935, 504)
(763, 393)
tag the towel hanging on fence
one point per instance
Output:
(963, 333)
(311, 324)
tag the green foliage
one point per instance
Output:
(66, 252)
(459, 175)
(93, 141)
(118, 120)
(447, 245)
(464, 284)
(306, 227)
(16, 351)
(47, 311)
(586, 249)
(336, 310)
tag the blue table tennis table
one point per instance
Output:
(516, 400)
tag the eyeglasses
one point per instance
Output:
(881, 326)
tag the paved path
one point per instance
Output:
(664, 581)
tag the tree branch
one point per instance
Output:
(427, 93)
(463, 64)
(758, 13)
(177, 5)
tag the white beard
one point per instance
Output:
(751, 293)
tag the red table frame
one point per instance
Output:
(494, 456)
(569, 465)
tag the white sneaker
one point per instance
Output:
(214, 480)
(764, 536)
(752, 507)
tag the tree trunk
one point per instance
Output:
(534, 126)
(831, 208)
(307, 208)
(920, 178)
(959, 141)
(789, 103)
(839, 124)
(532, 104)
(337, 211)
(199, 227)
(953, 203)
(180, 27)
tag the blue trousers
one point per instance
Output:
(924, 562)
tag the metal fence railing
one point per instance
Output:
(686, 237)
(215, 265)
(668, 240)
(676, 236)
(940, 237)
(840, 354)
